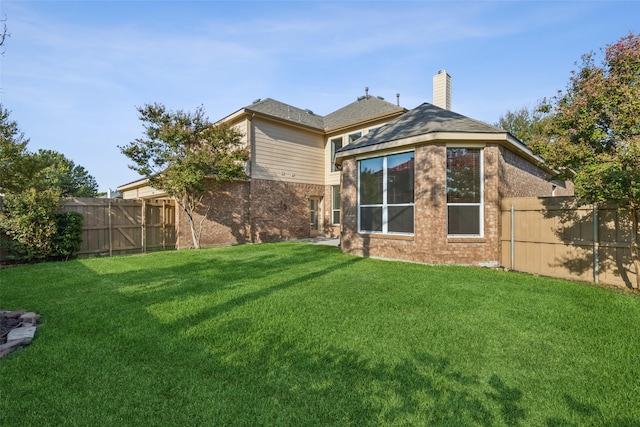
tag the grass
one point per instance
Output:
(296, 334)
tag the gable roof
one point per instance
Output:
(365, 108)
(424, 119)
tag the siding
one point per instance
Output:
(287, 154)
(143, 192)
(333, 178)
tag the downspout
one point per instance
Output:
(252, 154)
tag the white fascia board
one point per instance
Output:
(421, 139)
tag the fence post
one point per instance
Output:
(513, 237)
(143, 225)
(110, 235)
(596, 244)
(164, 225)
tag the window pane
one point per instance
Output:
(400, 178)
(371, 181)
(335, 204)
(371, 219)
(354, 136)
(463, 175)
(335, 197)
(336, 144)
(400, 219)
(463, 220)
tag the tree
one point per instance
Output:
(593, 134)
(181, 151)
(16, 168)
(3, 32)
(56, 171)
(34, 187)
(524, 123)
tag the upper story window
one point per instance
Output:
(465, 192)
(336, 144)
(385, 194)
(354, 136)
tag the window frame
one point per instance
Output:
(353, 137)
(332, 142)
(479, 204)
(333, 207)
(385, 205)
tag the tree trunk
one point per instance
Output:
(188, 209)
(635, 255)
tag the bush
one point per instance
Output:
(29, 220)
(68, 238)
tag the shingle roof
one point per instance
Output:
(280, 110)
(424, 119)
(362, 109)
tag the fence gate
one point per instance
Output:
(117, 226)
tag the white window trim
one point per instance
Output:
(480, 205)
(384, 205)
(333, 208)
(332, 153)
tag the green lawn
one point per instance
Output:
(297, 334)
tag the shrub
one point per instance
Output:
(29, 219)
(68, 237)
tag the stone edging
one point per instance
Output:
(18, 329)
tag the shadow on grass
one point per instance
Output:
(277, 382)
(118, 363)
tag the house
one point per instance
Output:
(427, 187)
(293, 185)
(423, 185)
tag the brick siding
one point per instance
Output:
(227, 222)
(430, 243)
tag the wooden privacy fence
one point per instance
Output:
(552, 236)
(117, 226)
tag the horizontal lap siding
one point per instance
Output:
(287, 154)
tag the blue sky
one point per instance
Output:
(73, 72)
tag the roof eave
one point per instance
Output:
(133, 184)
(502, 138)
(363, 123)
(283, 121)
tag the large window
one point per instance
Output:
(335, 204)
(464, 192)
(336, 144)
(386, 194)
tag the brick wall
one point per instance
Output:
(521, 178)
(227, 221)
(280, 210)
(259, 211)
(503, 172)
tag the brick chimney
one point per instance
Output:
(442, 90)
